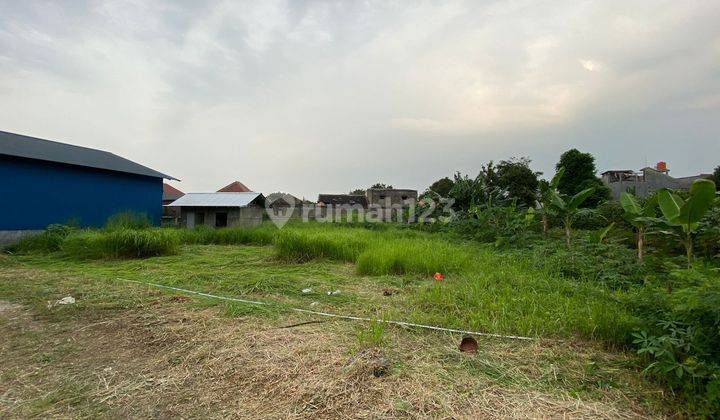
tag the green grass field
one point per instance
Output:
(383, 274)
(482, 289)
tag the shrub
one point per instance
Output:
(47, 241)
(612, 264)
(681, 339)
(501, 224)
(708, 237)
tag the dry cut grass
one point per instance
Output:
(164, 357)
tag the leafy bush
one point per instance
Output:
(501, 224)
(611, 263)
(47, 241)
(681, 218)
(708, 237)
(681, 340)
(606, 213)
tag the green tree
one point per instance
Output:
(489, 176)
(639, 216)
(518, 180)
(683, 216)
(566, 206)
(467, 191)
(580, 174)
(547, 191)
(442, 186)
(716, 177)
(357, 191)
(381, 186)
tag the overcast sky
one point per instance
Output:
(314, 96)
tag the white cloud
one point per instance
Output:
(591, 65)
(322, 96)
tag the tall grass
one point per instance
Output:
(122, 243)
(412, 256)
(485, 291)
(128, 220)
(262, 235)
(335, 244)
(504, 298)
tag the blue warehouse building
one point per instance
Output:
(44, 182)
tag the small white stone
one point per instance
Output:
(69, 300)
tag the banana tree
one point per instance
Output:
(546, 190)
(567, 207)
(639, 216)
(683, 217)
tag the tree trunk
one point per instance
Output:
(545, 223)
(567, 233)
(689, 249)
(641, 240)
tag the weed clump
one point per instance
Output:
(338, 244)
(128, 220)
(412, 256)
(263, 235)
(122, 243)
(47, 241)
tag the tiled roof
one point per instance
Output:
(236, 186)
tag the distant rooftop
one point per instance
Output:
(236, 186)
(170, 192)
(18, 145)
(217, 199)
(342, 199)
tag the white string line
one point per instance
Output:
(330, 315)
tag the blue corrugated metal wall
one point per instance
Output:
(34, 194)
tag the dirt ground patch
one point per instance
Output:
(170, 360)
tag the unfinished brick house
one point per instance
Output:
(646, 181)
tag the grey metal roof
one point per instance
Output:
(218, 199)
(12, 144)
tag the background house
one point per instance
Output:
(46, 182)
(170, 193)
(387, 198)
(325, 200)
(171, 215)
(220, 209)
(646, 181)
(284, 204)
(235, 186)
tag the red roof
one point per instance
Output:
(236, 186)
(171, 193)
